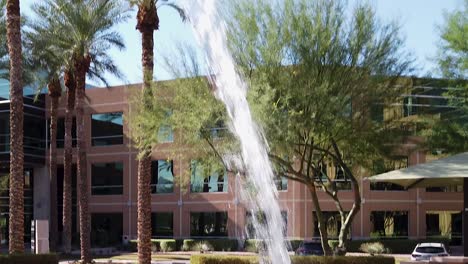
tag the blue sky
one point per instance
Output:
(419, 20)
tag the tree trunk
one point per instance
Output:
(82, 66)
(67, 163)
(346, 224)
(16, 232)
(320, 221)
(54, 94)
(147, 22)
(144, 209)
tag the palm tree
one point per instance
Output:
(84, 32)
(70, 84)
(49, 64)
(16, 232)
(147, 23)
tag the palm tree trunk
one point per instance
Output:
(54, 93)
(147, 22)
(144, 209)
(16, 231)
(82, 66)
(67, 163)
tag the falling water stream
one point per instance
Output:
(260, 189)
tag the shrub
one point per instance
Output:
(253, 245)
(203, 246)
(167, 245)
(29, 258)
(373, 248)
(221, 244)
(210, 259)
(188, 244)
(294, 244)
(155, 245)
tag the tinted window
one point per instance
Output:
(430, 250)
(207, 177)
(107, 178)
(106, 229)
(162, 177)
(208, 224)
(107, 129)
(162, 224)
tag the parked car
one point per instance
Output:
(310, 248)
(424, 251)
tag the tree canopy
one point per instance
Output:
(449, 132)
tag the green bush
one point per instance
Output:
(221, 244)
(294, 244)
(201, 259)
(373, 248)
(29, 258)
(167, 245)
(155, 245)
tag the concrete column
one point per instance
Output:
(41, 210)
(41, 194)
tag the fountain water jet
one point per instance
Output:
(210, 32)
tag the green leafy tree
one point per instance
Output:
(449, 132)
(315, 76)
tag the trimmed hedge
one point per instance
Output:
(29, 258)
(156, 245)
(251, 245)
(201, 259)
(395, 246)
(221, 244)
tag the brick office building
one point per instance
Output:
(210, 206)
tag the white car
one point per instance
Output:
(424, 251)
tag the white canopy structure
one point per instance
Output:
(443, 172)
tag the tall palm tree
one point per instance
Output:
(84, 29)
(16, 232)
(147, 23)
(49, 64)
(70, 84)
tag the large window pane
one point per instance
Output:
(207, 177)
(389, 224)
(34, 135)
(107, 178)
(446, 224)
(332, 223)
(106, 229)
(4, 132)
(262, 219)
(5, 206)
(382, 166)
(107, 129)
(165, 134)
(162, 176)
(208, 224)
(281, 183)
(162, 224)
